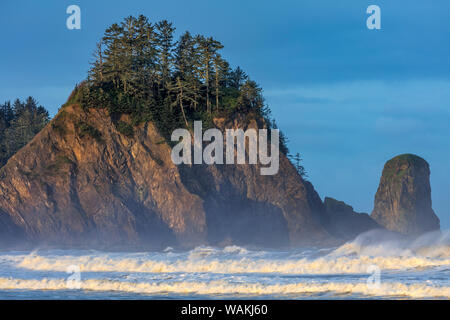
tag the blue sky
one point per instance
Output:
(347, 97)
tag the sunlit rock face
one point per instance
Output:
(80, 182)
(403, 199)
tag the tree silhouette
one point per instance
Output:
(140, 70)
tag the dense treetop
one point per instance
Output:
(19, 123)
(139, 69)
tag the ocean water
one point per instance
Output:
(373, 266)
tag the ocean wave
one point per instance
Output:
(434, 244)
(324, 265)
(378, 248)
(240, 289)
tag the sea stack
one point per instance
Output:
(403, 199)
(82, 183)
(344, 223)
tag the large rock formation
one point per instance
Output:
(11, 236)
(403, 199)
(80, 182)
(344, 223)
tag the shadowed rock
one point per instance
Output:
(403, 199)
(344, 223)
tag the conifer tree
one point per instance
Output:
(237, 78)
(297, 159)
(186, 63)
(219, 71)
(139, 70)
(164, 36)
(183, 92)
(18, 125)
(96, 72)
(112, 54)
(208, 48)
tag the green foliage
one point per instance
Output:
(161, 142)
(75, 96)
(125, 128)
(397, 168)
(84, 129)
(58, 122)
(141, 71)
(59, 162)
(408, 158)
(59, 128)
(296, 161)
(19, 123)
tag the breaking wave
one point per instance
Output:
(414, 268)
(434, 244)
(325, 265)
(225, 288)
(428, 251)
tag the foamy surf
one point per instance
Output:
(241, 290)
(345, 260)
(408, 269)
(326, 265)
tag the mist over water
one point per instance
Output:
(409, 269)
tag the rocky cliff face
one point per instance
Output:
(403, 199)
(344, 223)
(11, 236)
(80, 182)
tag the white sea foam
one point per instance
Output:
(382, 243)
(226, 288)
(410, 268)
(198, 263)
